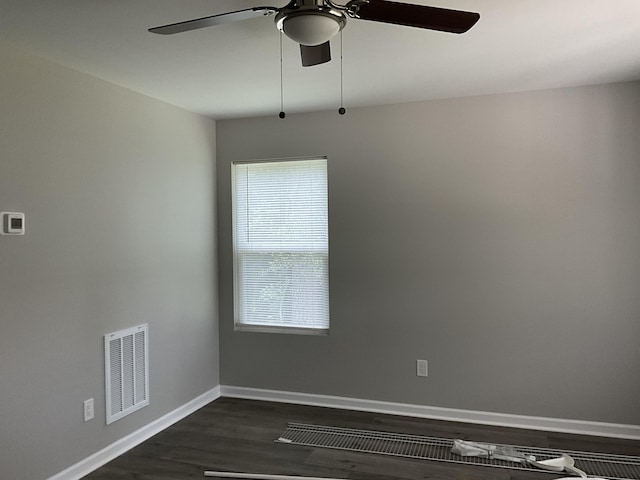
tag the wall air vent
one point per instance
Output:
(126, 363)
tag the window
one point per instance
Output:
(281, 246)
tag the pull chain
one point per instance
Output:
(341, 110)
(281, 114)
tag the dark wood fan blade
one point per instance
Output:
(213, 20)
(420, 16)
(315, 55)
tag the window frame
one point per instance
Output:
(261, 328)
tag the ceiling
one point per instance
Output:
(233, 70)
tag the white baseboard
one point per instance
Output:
(89, 464)
(600, 429)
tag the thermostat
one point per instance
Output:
(12, 223)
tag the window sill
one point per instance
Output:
(281, 330)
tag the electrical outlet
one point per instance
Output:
(88, 409)
(422, 368)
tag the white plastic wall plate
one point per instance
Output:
(12, 223)
(422, 368)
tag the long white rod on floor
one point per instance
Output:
(262, 476)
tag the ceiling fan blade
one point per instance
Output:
(315, 55)
(420, 16)
(213, 20)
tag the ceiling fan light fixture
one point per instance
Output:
(311, 27)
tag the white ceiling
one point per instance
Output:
(233, 70)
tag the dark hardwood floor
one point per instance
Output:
(238, 436)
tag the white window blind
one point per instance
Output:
(281, 245)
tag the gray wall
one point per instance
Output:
(498, 237)
(118, 192)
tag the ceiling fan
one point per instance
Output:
(312, 23)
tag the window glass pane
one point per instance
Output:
(284, 289)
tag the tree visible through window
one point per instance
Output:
(281, 246)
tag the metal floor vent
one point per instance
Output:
(126, 359)
(619, 467)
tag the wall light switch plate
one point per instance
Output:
(12, 223)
